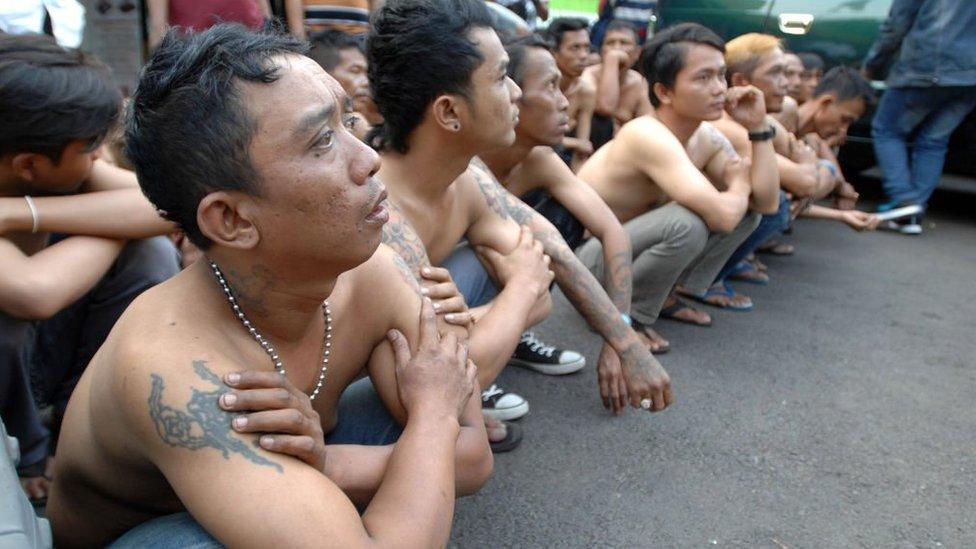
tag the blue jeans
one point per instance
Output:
(362, 420)
(769, 226)
(931, 115)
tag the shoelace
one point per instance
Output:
(536, 345)
(491, 391)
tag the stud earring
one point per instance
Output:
(457, 127)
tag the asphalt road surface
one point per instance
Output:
(839, 413)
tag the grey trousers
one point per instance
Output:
(670, 244)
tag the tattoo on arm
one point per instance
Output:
(400, 235)
(577, 282)
(720, 142)
(203, 424)
(618, 272)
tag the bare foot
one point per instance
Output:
(496, 429)
(722, 297)
(652, 339)
(675, 309)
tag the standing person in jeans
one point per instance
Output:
(931, 88)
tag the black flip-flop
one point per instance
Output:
(672, 310)
(642, 328)
(513, 437)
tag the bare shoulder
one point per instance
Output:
(733, 131)
(646, 132)
(586, 88)
(713, 142)
(544, 168)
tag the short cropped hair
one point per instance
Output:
(845, 83)
(517, 49)
(561, 25)
(621, 25)
(742, 53)
(663, 57)
(51, 96)
(188, 130)
(811, 61)
(326, 46)
(416, 51)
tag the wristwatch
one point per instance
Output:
(764, 135)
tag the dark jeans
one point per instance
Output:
(928, 114)
(46, 358)
(769, 226)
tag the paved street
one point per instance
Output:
(839, 413)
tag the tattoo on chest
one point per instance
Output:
(203, 424)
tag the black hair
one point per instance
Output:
(416, 51)
(663, 57)
(845, 83)
(621, 25)
(811, 61)
(326, 46)
(51, 96)
(561, 25)
(516, 50)
(188, 130)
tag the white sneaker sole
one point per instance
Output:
(910, 229)
(551, 369)
(508, 414)
(899, 213)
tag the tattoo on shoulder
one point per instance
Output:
(720, 142)
(203, 424)
(500, 200)
(400, 235)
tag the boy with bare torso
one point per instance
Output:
(436, 122)
(675, 182)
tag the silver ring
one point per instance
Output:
(646, 404)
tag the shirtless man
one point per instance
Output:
(187, 411)
(530, 170)
(758, 60)
(675, 182)
(621, 92)
(570, 38)
(78, 240)
(434, 126)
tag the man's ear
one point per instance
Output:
(662, 92)
(447, 111)
(739, 79)
(29, 166)
(226, 218)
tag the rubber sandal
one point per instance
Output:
(745, 272)
(642, 328)
(670, 312)
(513, 437)
(724, 290)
